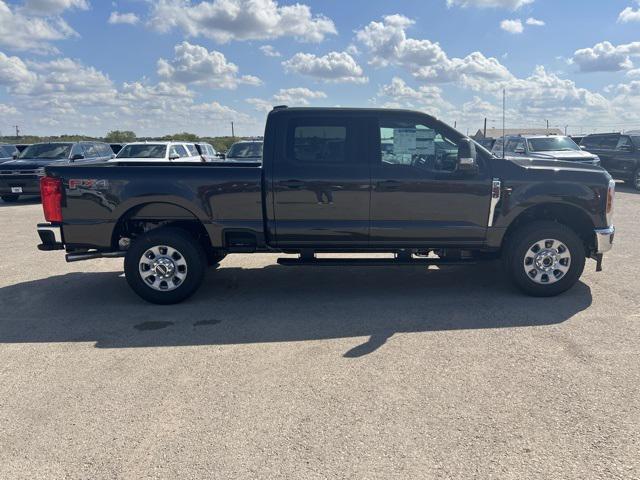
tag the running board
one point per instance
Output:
(371, 262)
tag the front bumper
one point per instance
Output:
(29, 185)
(51, 237)
(604, 239)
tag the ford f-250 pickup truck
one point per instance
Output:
(336, 180)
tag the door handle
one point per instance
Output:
(292, 183)
(389, 184)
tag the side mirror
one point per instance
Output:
(582, 147)
(467, 156)
(77, 156)
(221, 156)
(14, 156)
(174, 156)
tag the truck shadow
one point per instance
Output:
(278, 304)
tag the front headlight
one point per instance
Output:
(596, 159)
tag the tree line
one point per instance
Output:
(221, 144)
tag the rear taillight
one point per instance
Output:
(611, 195)
(51, 193)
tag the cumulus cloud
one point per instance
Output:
(123, 18)
(509, 4)
(269, 51)
(332, 67)
(226, 20)
(387, 44)
(428, 98)
(606, 57)
(53, 7)
(512, 26)
(297, 96)
(194, 64)
(22, 32)
(7, 109)
(629, 15)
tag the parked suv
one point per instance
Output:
(207, 152)
(544, 147)
(620, 154)
(158, 152)
(21, 176)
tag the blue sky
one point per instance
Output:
(156, 67)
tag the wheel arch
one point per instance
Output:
(569, 215)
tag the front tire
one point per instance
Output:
(635, 179)
(545, 258)
(165, 266)
(10, 198)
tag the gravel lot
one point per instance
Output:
(273, 372)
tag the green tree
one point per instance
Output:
(120, 136)
(182, 137)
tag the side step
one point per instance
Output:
(371, 262)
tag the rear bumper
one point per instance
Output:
(50, 236)
(604, 239)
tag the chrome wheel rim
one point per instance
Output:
(547, 261)
(163, 268)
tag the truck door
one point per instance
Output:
(418, 196)
(624, 159)
(321, 182)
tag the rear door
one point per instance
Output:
(606, 150)
(321, 182)
(418, 197)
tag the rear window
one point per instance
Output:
(143, 151)
(246, 150)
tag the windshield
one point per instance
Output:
(552, 144)
(143, 151)
(6, 151)
(246, 150)
(49, 151)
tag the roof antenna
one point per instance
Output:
(504, 104)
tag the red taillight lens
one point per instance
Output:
(51, 193)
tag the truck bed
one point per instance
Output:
(220, 195)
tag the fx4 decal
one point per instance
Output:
(88, 183)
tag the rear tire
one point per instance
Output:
(544, 258)
(10, 198)
(165, 266)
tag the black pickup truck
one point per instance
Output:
(338, 181)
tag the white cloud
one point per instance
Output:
(7, 109)
(269, 51)
(629, 15)
(226, 20)
(512, 26)
(123, 18)
(509, 4)
(297, 96)
(27, 33)
(388, 44)
(534, 22)
(426, 97)
(606, 57)
(332, 67)
(194, 64)
(53, 7)
(14, 72)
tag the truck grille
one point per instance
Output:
(18, 173)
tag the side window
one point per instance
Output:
(416, 146)
(105, 150)
(318, 142)
(624, 144)
(519, 146)
(181, 151)
(90, 150)
(192, 150)
(77, 150)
